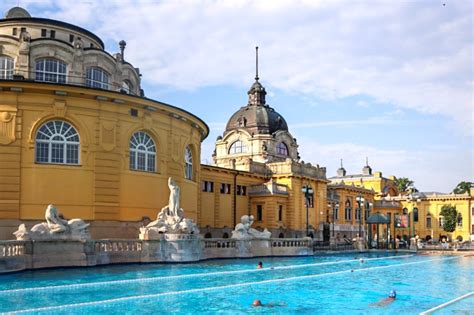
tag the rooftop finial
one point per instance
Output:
(256, 63)
(366, 161)
(341, 164)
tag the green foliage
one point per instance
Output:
(450, 217)
(404, 184)
(463, 187)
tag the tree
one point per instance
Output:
(405, 185)
(450, 217)
(463, 187)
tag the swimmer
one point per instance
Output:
(391, 297)
(258, 303)
(361, 261)
(259, 266)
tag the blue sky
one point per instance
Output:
(391, 80)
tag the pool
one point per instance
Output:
(326, 284)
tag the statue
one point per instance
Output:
(171, 218)
(243, 230)
(55, 228)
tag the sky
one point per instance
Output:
(388, 80)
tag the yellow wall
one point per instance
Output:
(433, 206)
(350, 193)
(101, 187)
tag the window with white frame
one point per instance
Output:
(238, 147)
(142, 152)
(282, 149)
(188, 163)
(6, 67)
(50, 70)
(97, 78)
(57, 142)
(428, 221)
(126, 87)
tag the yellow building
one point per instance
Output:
(424, 210)
(77, 131)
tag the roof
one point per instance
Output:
(378, 218)
(53, 22)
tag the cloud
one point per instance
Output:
(413, 54)
(417, 164)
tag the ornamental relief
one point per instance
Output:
(108, 135)
(7, 127)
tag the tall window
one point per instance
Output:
(358, 214)
(259, 212)
(459, 220)
(50, 70)
(348, 211)
(441, 221)
(97, 78)
(428, 221)
(188, 163)
(57, 142)
(142, 152)
(367, 210)
(415, 214)
(280, 213)
(238, 147)
(282, 149)
(6, 67)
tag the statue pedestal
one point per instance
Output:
(181, 247)
(413, 245)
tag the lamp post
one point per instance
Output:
(360, 200)
(308, 192)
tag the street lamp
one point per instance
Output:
(360, 200)
(308, 192)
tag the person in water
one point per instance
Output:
(258, 303)
(391, 297)
(259, 266)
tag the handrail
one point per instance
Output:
(73, 80)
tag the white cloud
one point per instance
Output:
(421, 165)
(414, 54)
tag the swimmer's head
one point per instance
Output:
(393, 294)
(257, 303)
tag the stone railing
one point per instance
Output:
(12, 248)
(117, 246)
(219, 243)
(270, 188)
(290, 243)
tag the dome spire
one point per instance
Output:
(256, 63)
(257, 91)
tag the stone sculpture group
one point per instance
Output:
(243, 230)
(170, 219)
(55, 228)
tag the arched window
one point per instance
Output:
(126, 87)
(6, 67)
(97, 78)
(282, 149)
(405, 211)
(142, 152)
(188, 163)
(238, 147)
(348, 211)
(57, 142)
(415, 214)
(459, 219)
(50, 70)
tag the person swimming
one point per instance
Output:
(259, 265)
(391, 297)
(258, 303)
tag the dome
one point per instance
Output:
(17, 12)
(257, 120)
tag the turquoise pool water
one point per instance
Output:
(336, 284)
